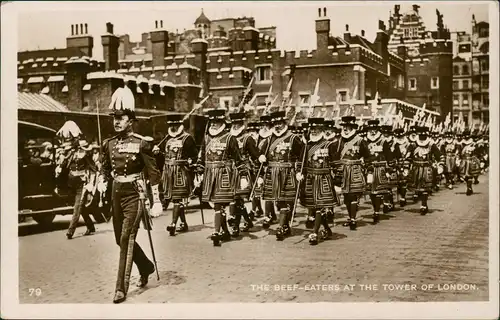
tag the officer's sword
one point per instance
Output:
(147, 223)
(300, 182)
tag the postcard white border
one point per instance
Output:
(11, 308)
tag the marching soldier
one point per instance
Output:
(450, 151)
(350, 151)
(180, 154)
(470, 166)
(376, 165)
(253, 130)
(282, 153)
(249, 154)
(80, 174)
(220, 162)
(318, 192)
(402, 152)
(422, 158)
(387, 133)
(126, 159)
(332, 133)
(265, 133)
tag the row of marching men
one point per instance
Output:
(270, 163)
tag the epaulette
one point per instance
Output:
(109, 139)
(145, 138)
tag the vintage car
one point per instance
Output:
(37, 196)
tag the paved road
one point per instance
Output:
(395, 260)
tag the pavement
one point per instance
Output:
(442, 256)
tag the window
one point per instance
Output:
(486, 100)
(226, 102)
(343, 95)
(455, 99)
(304, 98)
(455, 85)
(465, 99)
(465, 84)
(465, 69)
(484, 32)
(412, 84)
(407, 33)
(466, 120)
(264, 74)
(455, 70)
(485, 65)
(434, 83)
(486, 82)
(401, 81)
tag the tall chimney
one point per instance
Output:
(322, 32)
(110, 44)
(80, 39)
(159, 45)
(347, 34)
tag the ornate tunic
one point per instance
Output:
(376, 163)
(260, 145)
(450, 152)
(77, 168)
(177, 175)
(401, 151)
(249, 154)
(349, 164)
(283, 162)
(423, 156)
(318, 189)
(128, 157)
(469, 165)
(220, 156)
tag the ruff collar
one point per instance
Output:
(348, 136)
(280, 133)
(423, 143)
(375, 137)
(215, 133)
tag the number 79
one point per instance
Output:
(35, 291)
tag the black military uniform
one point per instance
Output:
(127, 160)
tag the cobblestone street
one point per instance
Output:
(447, 248)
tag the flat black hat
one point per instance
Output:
(253, 126)
(386, 128)
(373, 124)
(175, 118)
(349, 121)
(265, 119)
(278, 116)
(399, 132)
(216, 114)
(316, 122)
(237, 117)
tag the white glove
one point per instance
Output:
(299, 176)
(156, 210)
(101, 185)
(405, 172)
(338, 189)
(440, 169)
(481, 165)
(457, 162)
(156, 149)
(190, 161)
(89, 187)
(244, 183)
(260, 181)
(369, 178)
(197, 180)
(387, 175)
(262, 158)
(58, 171)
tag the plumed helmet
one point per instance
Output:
(123, 103)
(69, 130)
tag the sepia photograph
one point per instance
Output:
(250, 159)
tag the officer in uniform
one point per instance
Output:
(332, 133)
(180, 154)
(127, 159)
(350, 151)
(80, 174)
(422, 158)
(376, 166)
(318, 192)
(249, 154)
(282, 154)
(265, 133)
(220, 162)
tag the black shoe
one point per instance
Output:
(225, 236)
(231, 220)
(476, 181)
(415, 197)
(258, 213)
(353, 224)
(469, 191)
(313, 239)
(424, 210)
(235, 232)
(402, 202)
(247, 226)
(216, 239)
(267, 222)
(376, 217)
(88, 232)
(251, 215)
(310, 222)
(69, 236)
(280, 234)
(119, 297)
(183, 227)
(171, 229)
(347, 223)
(143, 280)
(386, 208)
(326, 234)
(287, 230)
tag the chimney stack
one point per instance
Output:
(322, 31)
(159, 45)
(80, 38)
(110, 44)
(347, 34)
(363, 33)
